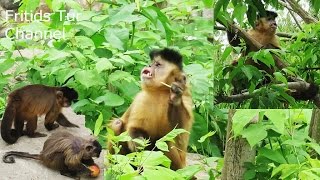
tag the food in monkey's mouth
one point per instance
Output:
(95, 170)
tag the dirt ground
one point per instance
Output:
(33, 170)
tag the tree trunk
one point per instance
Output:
(314, 129)
(237, 152)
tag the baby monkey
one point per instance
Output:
(62, 151)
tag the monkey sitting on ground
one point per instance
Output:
(26, 103)
(164, 103)
(62, 151)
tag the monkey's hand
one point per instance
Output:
(176, 91)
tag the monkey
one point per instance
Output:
(64, 152)
(164, 103)
(26, 103)
(263, 32)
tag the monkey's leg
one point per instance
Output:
(63, 121)
(177, 156)
(51, 117)
(18, 125)
(136, 133)
(31, 128)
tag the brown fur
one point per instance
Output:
(64, 152)
(157, 109)
(27, 103)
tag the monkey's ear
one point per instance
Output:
(59, 94)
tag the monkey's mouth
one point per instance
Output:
(146, 74)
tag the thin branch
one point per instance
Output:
(279, 34)
(299, 86)
(307, 18)
(295, 19)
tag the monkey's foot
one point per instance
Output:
(50, 127)
(34, 135)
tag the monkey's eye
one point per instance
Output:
(157, 64)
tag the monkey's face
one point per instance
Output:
(62, 100)
(92, 149)
(158, 71)
(267, 24)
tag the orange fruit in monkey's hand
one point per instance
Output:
(95, 170)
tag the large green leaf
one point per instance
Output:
(278, 118)
(110, 99)
(89, 78)
(124, 15)
(241, 118)
(254, 134)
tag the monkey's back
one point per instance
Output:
(52, 154)
(34, 99)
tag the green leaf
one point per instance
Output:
(154, 158)
(226, 54)
(124, 15)
(254, 134)
(279, 77)
(203, 138)
(30, 5)
(103, 53)
(120, 75)
(110, 99)
(98, 124)
(84, 42)
(57, 4)
(314, 146)
(247, 71)
(208, 3)
(308, 174)
(89, 27)
(6, 64)
(103, 64)
(278, 118)
(239, 12)
(241, 118)
(274, 155)
(7, 43)
(189, 171)
(117, 37)
(160, 173)
(89, 78)
(169, 137)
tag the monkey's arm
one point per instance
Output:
(233, 38)
(63, 121)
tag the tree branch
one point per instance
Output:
(307, 18)
(279, 34)
(299, 86)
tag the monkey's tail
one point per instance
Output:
(8, 156)
(8, 135)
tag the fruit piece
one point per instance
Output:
(95, 170)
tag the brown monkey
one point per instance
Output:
(264, 32)
(26, 103)
(157, 109)
(62, 151)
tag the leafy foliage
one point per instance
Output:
(101, 55)
(297, 52)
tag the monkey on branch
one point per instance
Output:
(263, 36)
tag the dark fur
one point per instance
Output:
(168, 54)
(26, 103)
(64, 152)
